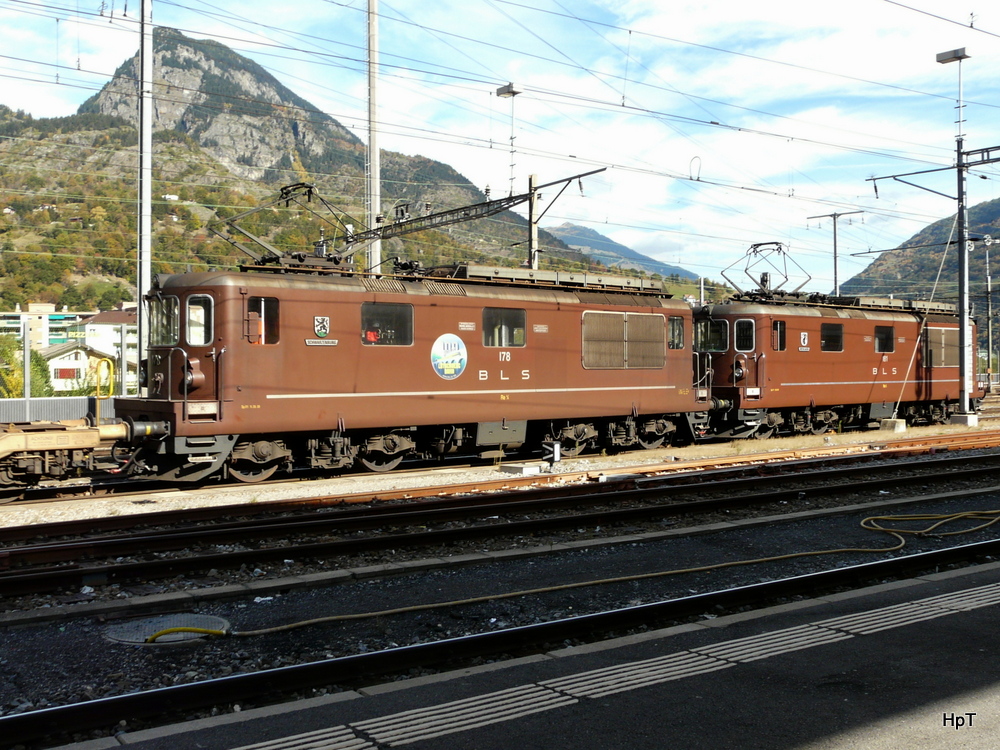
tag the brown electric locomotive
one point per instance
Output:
(787, 363)
(252, 372)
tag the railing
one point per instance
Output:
(52, 409)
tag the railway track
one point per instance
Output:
(460, 522)
(357, 670)
(752, 483)
(747, 452)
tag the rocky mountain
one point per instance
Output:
(612, 254)
(915, 268)
(246, 120)
(233, 108)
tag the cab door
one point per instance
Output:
(746, 367)
(199, 360)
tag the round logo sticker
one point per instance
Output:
(449, 356)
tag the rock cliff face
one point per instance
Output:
(237, 111)
(261, 131)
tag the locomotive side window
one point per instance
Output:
(831, 336)
(675, 332)
(711, 336)
(200, 325)
(503, 327)
(885, 339)
(744, 335)
(778, 335)
(386, 324)
(262, 320)
(619, 341)
(164, 321)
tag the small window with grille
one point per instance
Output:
(831, 337)
(386, 324)
(503, 327)
(744, 335)
(885, 339)
(778, 335)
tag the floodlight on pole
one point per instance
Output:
(509, 91)
(965, 364)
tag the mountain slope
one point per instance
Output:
(234, 109)
(250, 123)
(612, 254)
(912, 270)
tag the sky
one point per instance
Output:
(719, 125)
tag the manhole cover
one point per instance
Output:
(139, 631)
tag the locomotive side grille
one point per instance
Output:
(603, 340)
(645, 341)
(623, 341)
(437, 287)
(384, 285)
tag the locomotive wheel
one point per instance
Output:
(381, 461)
(246, 471)
(764, 432)
(651, 442)
(571, 448)
(819, 428)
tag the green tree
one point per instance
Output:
(12, 372)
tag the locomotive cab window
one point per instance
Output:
(743, 335)
(885, 339)
(262, 320)
(200, 323)
(386, 324)
(711, 336)
(503, 326)
(164, 321)
(675, 332)
(831, 337)
(778, 335)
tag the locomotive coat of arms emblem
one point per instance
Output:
(321, 325)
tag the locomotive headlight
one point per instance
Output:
(738, 372)
(144, 373)
(194, 378)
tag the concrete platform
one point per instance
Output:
(904, 665)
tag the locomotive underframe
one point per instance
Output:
(252, 458)
(764, 423)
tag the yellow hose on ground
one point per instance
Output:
(872, 523)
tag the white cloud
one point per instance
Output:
(810, 102)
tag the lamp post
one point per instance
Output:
(966, 414)
(509, 91)
(374, 187)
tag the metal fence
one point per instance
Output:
(52, 409)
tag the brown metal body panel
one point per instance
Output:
(803, 374)
(320, 375)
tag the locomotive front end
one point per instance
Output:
(176, 430)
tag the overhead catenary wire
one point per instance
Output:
(414, 67)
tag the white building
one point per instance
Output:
(104, 333)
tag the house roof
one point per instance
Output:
(59, 350)
(114, 317)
